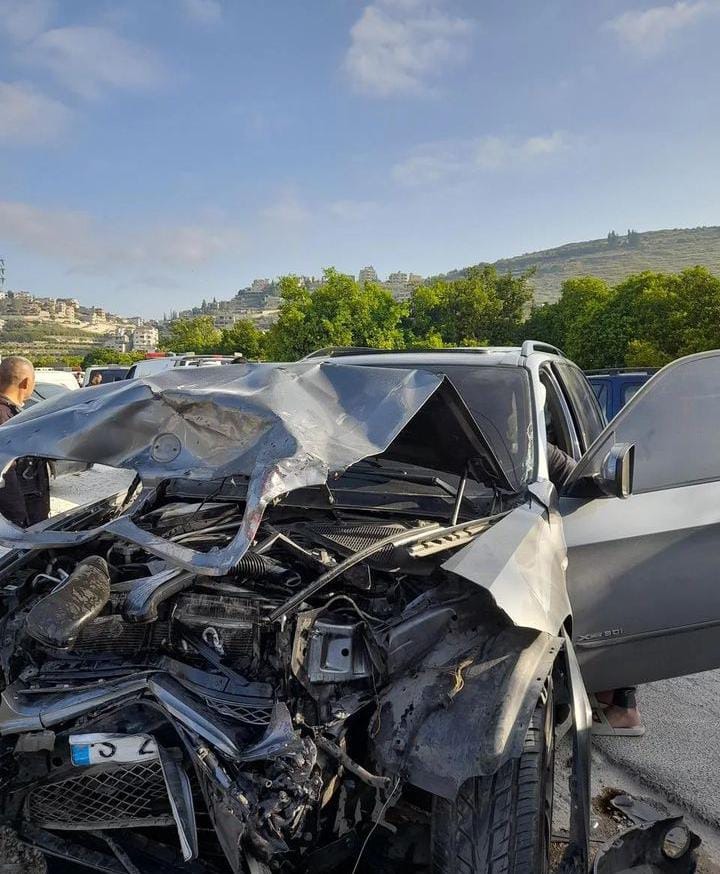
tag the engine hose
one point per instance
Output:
(254, 565)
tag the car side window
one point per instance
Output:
(586, 412)
(558, 424)
(673, 423)
(602, 393)
(630, 389)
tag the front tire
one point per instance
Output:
(502, 824)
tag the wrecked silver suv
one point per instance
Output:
(326, 629)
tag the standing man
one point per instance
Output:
(25, 495)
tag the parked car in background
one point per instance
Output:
(615, 386)
(50, 384)
(109, 373)
(153, 366)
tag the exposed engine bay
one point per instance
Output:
(232, 719)
(323, 604)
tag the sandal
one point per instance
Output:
(601, 727)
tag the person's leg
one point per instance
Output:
(38, 508)
(621, 710)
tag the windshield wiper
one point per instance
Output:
(398, 473)
(378, 473)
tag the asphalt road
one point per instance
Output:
(675, 767)
(84, 488)
(680, 753)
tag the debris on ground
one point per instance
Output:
(16, 857)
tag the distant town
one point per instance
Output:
(261, 299)
(51, 324)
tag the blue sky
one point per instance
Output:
(155, 152)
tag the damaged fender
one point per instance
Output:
(521, 562)
(466, 710)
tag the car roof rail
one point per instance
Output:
(530, 346)
(617, 371)
(331, 351)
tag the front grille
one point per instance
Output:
(121, 796)
(251, 714)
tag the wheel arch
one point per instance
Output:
(466, 718)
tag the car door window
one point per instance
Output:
(630, 389)
(45, 390)
(586, 412)
(600, 387)
(558, 421)
(673, 423)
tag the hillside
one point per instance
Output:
(19, 336)
(664, 251)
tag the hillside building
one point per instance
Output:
(145, 338)
(401, 285)
(367, 274)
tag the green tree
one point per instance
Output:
(646, 320)
(478, 308)
(340, 313)
(544, 323)
(425, 313)
(110, 356)
(193, 335)
(244, 337)
(515, 294)
(641, 353)
(643, 307)
(581, 303)
(697, 293)
(57, 360)
(285, 341)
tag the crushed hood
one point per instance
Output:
(283, 426)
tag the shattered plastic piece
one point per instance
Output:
(663, 847)
(181, 802)
(637, 810)
(279, 739)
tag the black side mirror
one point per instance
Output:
(616, 476)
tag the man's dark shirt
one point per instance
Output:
(560, 466)
(25, 497)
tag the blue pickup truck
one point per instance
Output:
(615, 386)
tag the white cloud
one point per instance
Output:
(288, 211)
(29, 117)
(455, 160)
(649, 31)
(401, 46)
(85, 246)
(89, 60)
(21, 20)
(353, 210)
(205, 12)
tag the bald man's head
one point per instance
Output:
(17, 378)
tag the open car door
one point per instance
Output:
(644, 571)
